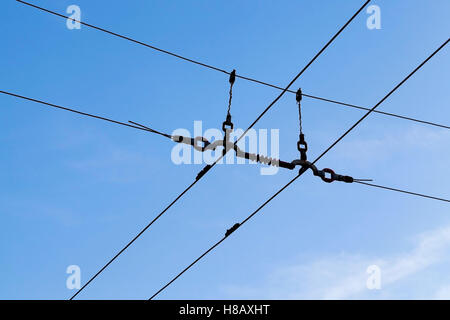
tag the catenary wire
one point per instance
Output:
(134, 239)
(302, 171)
(402, 191)
(295, 78)
(227, 72)
(83, 113)
(214, 163)
(383, 99)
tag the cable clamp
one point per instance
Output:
(232, 77)
(327, 175)
(335, 177)
(232, 229)
(298, 95)
(203, 171)
(227, 124)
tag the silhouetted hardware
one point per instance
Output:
(232, 229)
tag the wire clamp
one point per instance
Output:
(232, 229)
(203, 171)
(232, 77)
(302, 146)
(327, 175)
(298, 95)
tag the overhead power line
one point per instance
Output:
(226, 72)
(208, 167)
(221, 240)
(380, 112)
(403, 191)
(382, 100)
(140, 127)
(390, 114)
(134, 239)
(238, 225)
(83, 113)
(125, 37)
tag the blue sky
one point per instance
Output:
(75, 190)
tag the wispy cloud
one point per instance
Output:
(344, 276)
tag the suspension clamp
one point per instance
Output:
(333, 176)
(227, 124)
(232, 77)
(298, 95)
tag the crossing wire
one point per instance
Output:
(303, 171)
(226, 72)
(210, 166)
(403, 191)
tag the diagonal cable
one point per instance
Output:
(403, 191)
(134, 239)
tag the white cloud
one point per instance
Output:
(344, 276)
